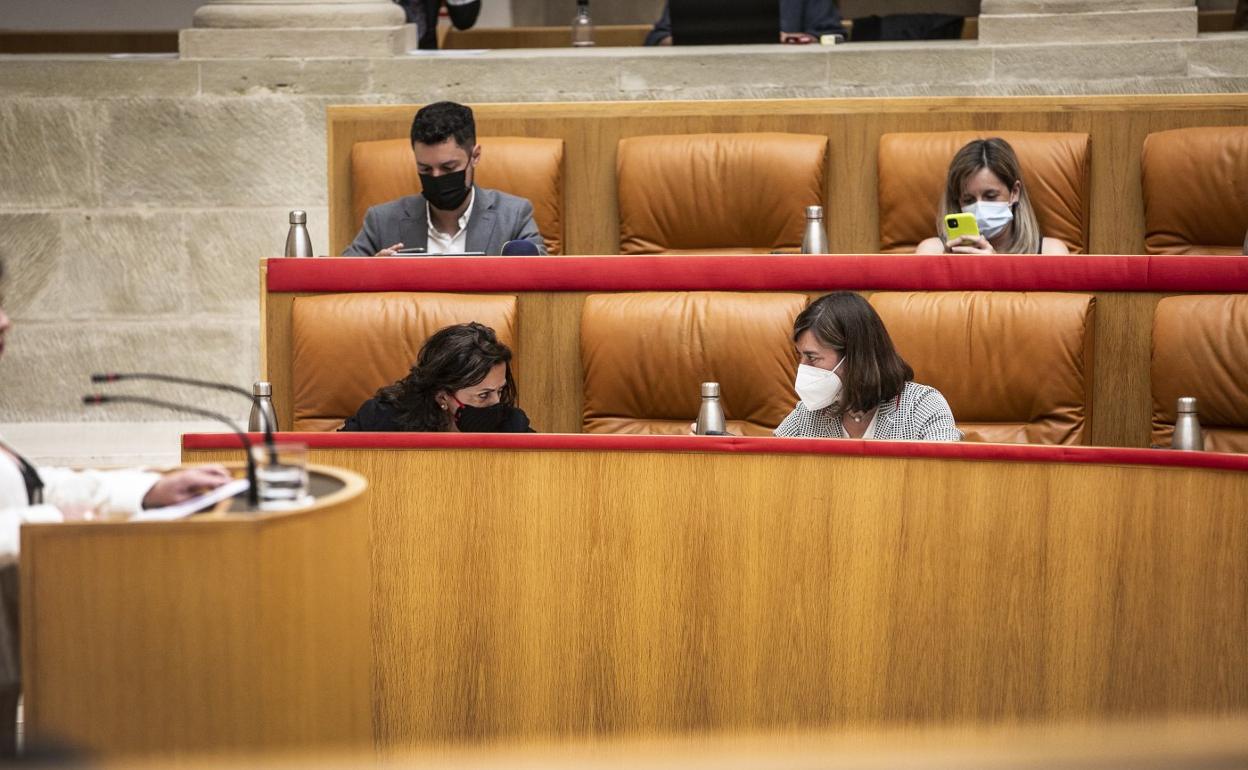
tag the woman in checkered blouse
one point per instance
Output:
(852, 383)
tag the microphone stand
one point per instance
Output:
(253, 491)
(223, 386)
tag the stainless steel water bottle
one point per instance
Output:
(298, 242)
(582, 25)
(261, 408)
(1187, 433)
(815, 239)
(711, 415)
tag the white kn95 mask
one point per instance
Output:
(818, 388)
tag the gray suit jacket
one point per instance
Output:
(496, 218)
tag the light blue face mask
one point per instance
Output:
(991, 216)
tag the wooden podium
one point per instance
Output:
(222, 632)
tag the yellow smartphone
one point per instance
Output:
(958, 225)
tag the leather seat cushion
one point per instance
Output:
(729, 193)
(645, 355)
(1015, 367)
(346, 346)
(1200, 348)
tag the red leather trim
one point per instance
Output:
(910, 272)
(628, 443)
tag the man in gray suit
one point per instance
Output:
(453, 215)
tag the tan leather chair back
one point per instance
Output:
(722, 193)
(1016, 368)
(346, 346)
(1196, 191)
(1200, 348)
(1056, 170)
(531, 168)
(646, 354)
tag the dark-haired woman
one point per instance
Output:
(853, 384)
(985, 179)
(461, 383)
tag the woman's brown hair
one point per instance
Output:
(454, 358)
(997, 156)
(873, 372)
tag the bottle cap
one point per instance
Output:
(262, 388)
(814, 212)
(298, 217)
(1186, 405)
(710, 390)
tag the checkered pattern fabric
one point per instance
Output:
(919, 413)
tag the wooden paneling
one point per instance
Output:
(558, 593)
(591, 131)
(548, 363)
(218, 633)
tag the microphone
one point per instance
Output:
(520, 248)
(224, 386)
(253, 491)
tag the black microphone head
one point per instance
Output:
(520, 248)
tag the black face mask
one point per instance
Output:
(445, 192)
(477, 419)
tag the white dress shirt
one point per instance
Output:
(440, 242)
(105, 492)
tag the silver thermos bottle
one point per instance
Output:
(1187, 434)
(261, 408)
(815, 239)
(298, 242)
(711, 415)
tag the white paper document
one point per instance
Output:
(195, 504)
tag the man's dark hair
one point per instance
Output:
(873, 371)
(454, 358)
(437, 122)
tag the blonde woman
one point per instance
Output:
(984, 180)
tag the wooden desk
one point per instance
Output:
(530, 586)
(215, 633)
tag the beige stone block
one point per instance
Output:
(999, 7)
(892, 64)
(1030, 29)
(1218, 55)
(225, 248)
(717, 69)
(47, 366)
(296, 43)
(116, 264)
(213, 152)
(30, 248)
(302, 15)
(97, 76)
(1089, 62)
(47, 153)
(252, 77)
(544, 76)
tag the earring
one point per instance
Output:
(443, 407)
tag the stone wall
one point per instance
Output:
(136, 195)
